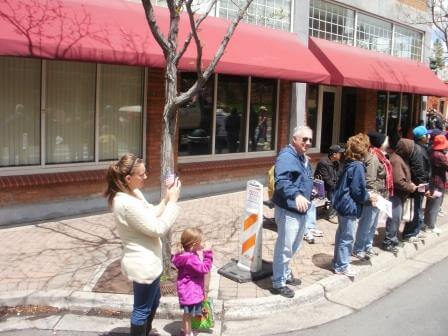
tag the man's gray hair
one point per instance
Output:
(300, 131)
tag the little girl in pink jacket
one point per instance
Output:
(192, 264)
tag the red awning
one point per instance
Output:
(116, 31)
(357, 67)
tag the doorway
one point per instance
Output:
(329, 97)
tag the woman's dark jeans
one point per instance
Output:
(146, 300)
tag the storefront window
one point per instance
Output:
(121, 111)
(373, 34)
(406, 115)
(230, 127)
(262, 115)
(393, 113)
(19, 111)
(381, 112)
(68, 121)
(70, 112)
(312, 94)
(195, 119)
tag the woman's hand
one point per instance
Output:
(173, 192)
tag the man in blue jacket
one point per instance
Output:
(292, 199)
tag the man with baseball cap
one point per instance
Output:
(421, 173)
(329, 169)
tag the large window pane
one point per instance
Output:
(311, 109)
(262, 115)
(231, 114)
(408, 43)
(381, 112)
(19, 111)
(393, 113)
(373, 34)
(121, 117)
(195, 119)
(70, 112)
(331, 22)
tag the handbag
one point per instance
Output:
(408, 210)
(207, 319)
(318, 187)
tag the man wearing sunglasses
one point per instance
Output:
(292, 199)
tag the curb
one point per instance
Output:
(226, 310)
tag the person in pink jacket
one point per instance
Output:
(192, 264)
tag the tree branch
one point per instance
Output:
(197, 41)
(190, 35)
(158, 35)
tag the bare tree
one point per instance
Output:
(439, 17)
(173, 52)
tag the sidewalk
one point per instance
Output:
(59, 263)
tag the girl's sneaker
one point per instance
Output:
(309, 237)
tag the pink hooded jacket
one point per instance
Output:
(190, 276)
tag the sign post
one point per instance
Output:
(250, 266)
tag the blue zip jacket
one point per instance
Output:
(293, 177)
(351, 190)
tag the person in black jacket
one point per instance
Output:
(421, 173)
(329, 169)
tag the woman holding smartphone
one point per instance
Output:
(140, 226)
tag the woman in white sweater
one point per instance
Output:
(140, 226)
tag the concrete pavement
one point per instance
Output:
(58, 263)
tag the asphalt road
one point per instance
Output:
(417, 308)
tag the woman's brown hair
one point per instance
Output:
(190, 237)
(116, 176)
(357, 147)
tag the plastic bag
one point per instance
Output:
(206, 320)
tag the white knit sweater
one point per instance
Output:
(140, 226)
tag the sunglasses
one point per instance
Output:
(305, 140)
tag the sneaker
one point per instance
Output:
(371, 252)
(283, 291)
(424, 228)
(293, 281)
(412, 239)
(309, 238)
(361, 256)
(390, 248)
(441, 213)
(317, 232)
(436, 231)
(421, 235)
(349, 271)
(333, 219)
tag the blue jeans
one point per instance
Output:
(412, 229)
(343, 242)
(290, 229)
(366, 228)
(146, 300)
(311, 219)
(432, 210)
(393, 224)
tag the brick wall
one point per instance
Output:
(59, 186)
(421, 5)
(366, 110)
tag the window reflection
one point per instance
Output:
(195, 119)
(262, 116)
(231, 114)
(381, 112)
(311, 109)
(393, 113)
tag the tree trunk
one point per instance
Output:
(169, 126)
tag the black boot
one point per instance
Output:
(138, 330)
(149, 322)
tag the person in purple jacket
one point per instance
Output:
(192, 264)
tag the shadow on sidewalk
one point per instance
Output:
(322, 260)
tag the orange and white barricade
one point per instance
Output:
(249, 258)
